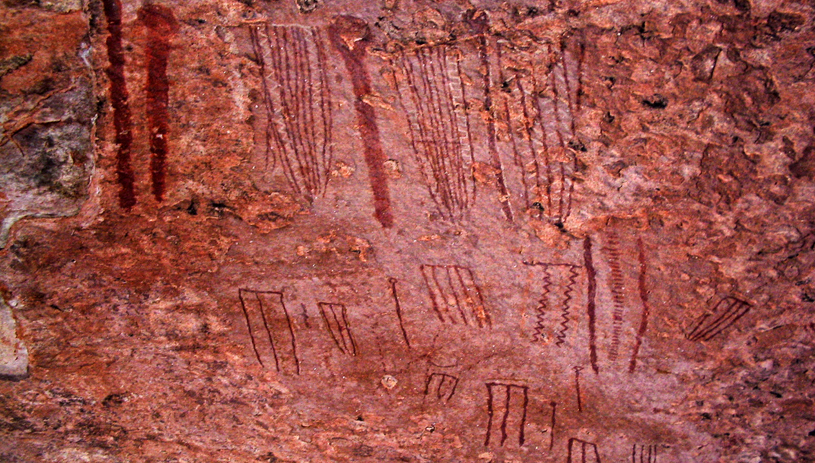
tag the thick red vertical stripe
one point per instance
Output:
(161, 26)
(118, 96)
(349, 35)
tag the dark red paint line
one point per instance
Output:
(591, 308)
(577, 388)
(161, 26)
(479, 22)
(646, 308)
(490, 413)
(121, 111)
(393, 282)
(581, 55)
(521, 435)
(552, 429)
(350, 36)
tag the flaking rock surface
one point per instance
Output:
(416, 231)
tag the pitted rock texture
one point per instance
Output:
(407, 231)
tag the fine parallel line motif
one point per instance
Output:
(726, 312)
(539, 109)
(335, 317)
(517, 160)
(440, 386)
(267, 319)
(644, 453)
(646, 306)
(434, 97)
(573, 55)
(479, 22)
(297, 100)
(455, 295)
(505, 412)
(580, 451)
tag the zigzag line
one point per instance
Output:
(561, 335)
(537, 335)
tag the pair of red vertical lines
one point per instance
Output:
(161, 26)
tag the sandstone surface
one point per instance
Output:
(407, 230)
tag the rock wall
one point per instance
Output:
(323, 230)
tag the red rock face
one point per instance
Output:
(338, 231)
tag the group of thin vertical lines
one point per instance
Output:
(432, 89)
(297, 100)
(439, 125)
(543, 141)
